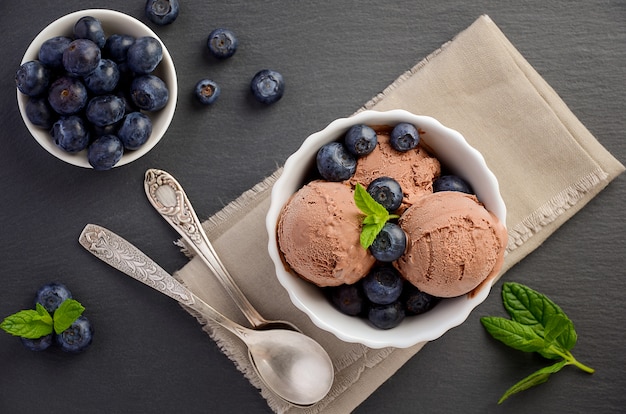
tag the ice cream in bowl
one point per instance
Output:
(386, 228)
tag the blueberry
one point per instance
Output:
(222, 43)
(149, 92)
(51, 51)
(416, 301)
(116, 47)
(387, 192)
(111, 129)
(70, 134)
(135, 130)
(383, 285)
(389, 244)
(207, 91)
(105, 110)
(360, 140)
(67, 95)
(144, 55)
(38, 344)
(81, 57)
(348, 299)
(32, 78)
(51, 295)
(404, 137)
(335, 163)
(162, 12)
(386, 316)
(39, 112)
(267, 86)
(89, 27)
(105, 152)
(452, 183)
(104, 78)
(77, 337)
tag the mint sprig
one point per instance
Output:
(537, 325)
(375, 215)
(35, 323)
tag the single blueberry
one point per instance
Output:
(135, 130)
(51, 51)
(162, 12)
(207, 91)
(88, 27)
(222, 43)
(267, 86)
(348, 299)
(39, 112)
(335, 163)
(70, 134)
(149, 92)
(32, 78)
(77, 337)
(38, 344)
(387, 192)
(452, 183)
(383, 285)
(417, 302)
(105, 110)
(144, 55)
(404, 136)
(116, 47)
(360, 140)
(104, 78)
(81, 57)
(105, 152)
(67, 95)
(389, 244)
(386, 316)
(51, 295)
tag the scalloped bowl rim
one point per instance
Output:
(112, 22)
(449, 313)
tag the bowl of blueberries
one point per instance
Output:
(320, 216)
(97, 88)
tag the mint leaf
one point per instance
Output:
(513, 334)
(375, 215)
(65, 315)
(30, 323)
(536, 378)
(367, 204)
(528, 307)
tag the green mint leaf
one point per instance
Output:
(513, 334)
(560, 330)
(367, 204)
(369, 233)
(30, 323)
(65, 315)
(536, 378)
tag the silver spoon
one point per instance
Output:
(168, 197)
(292, 365)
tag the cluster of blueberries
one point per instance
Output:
(383, 296)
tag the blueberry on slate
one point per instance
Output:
(51, 51)
(267, 86)
(135, 130)
(81, 57)
(360, 140)
(67, 95)
(386, 316)
(207, 91)
(149, 92)
(348, 299)
(222, 43)
(38, 344)
(105, 152)
(89, 27)
(383, 285)
(32, 78)
(162, 12)
(452, 183)
(387, 192)
(116, 47)
(144, 55)
(389, 244)
(77, 337)
(404, 136)
(104, 78)
(70, 134)
(335, 163)
(39, 112)
(416, 301)
(105, 110)
(51, 295)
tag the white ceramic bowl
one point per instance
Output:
(113, 22)
(451, 148)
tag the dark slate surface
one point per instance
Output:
(149, 355)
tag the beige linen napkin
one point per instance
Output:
(548, 165)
